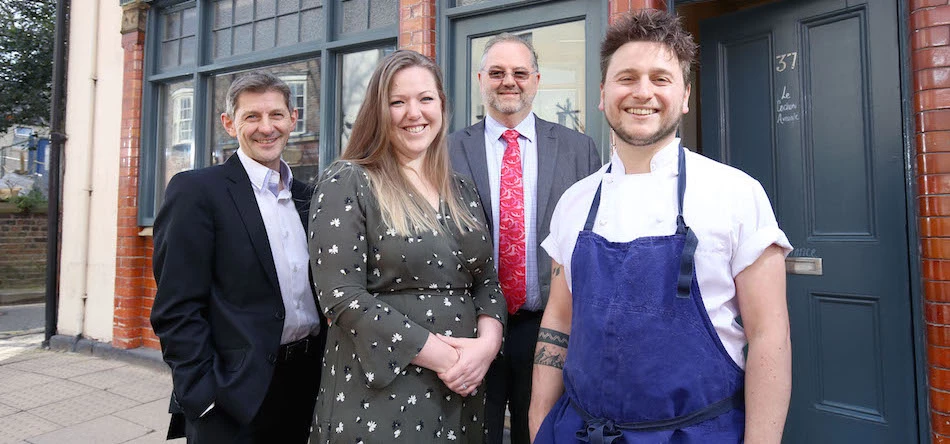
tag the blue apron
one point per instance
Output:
(644, 363)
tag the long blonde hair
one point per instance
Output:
(404, 209)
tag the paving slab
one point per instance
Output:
(23, 425)
(124, 374)
(79, 368)
(155, 438)
(83, 408)
(153, 415)
(104, 430)
(144, 390)
(13, 380)
(48, 360)
(32, 397)
(6, 410)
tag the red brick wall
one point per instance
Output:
(620, 7)
(23, 247)
(134, 285)
(930, 35)
(417, 26)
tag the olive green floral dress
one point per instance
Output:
(383, 293)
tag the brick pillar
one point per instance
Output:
(417, 26)
(930, 35)
(131, 249)
(621, 7)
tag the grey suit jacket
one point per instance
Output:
(564, 157)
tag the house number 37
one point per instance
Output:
(786, 61)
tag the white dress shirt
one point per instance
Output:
(726, 208)
(288, 246)
(495, 152)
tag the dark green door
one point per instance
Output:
(805, 96)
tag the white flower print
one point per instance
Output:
(348, 377)
(397, 337)
(391, 231)
(335, 222)
(320, 198)
(429, 312)
(447, 302)
(334, 250)
(341, 397)
(412, 399)
(451, 435)
(448, 333)
(348, 208)
(370, 376)
(337, 293)
(396, 433)
(371, 426)
(339, 428)
(354, 304)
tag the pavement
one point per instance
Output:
(60, 397)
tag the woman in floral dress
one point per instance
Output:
(403, 267)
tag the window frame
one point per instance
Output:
(151, 187)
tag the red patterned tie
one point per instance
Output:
(511, 235)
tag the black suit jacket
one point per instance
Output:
(564, 157)
(218, 311)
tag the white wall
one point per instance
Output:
(91, 156)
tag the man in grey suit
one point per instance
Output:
(521, 165)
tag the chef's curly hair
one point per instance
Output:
(649, 25)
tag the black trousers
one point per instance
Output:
(508, 381)
(285, 415)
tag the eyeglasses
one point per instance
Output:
(520, 75)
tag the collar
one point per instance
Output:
(493, 128)
(260, 175)
(663, 160)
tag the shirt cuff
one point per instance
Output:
(754, 246)
(207, 410)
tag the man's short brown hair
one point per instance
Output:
(649, 25)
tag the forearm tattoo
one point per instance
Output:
(553, 337)
(551, 355)
(557, 270)
(551, 358)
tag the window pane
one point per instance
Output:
(189, 22)
(222, 43)
(177, 128)
(313, 28)
(355, 72)
(560, 96)
(286, 6)
(265, 9)
(188, 50)
(264, 34)
(170, 54)
(287, 30)
(302, 152)
(172, 26)
(354, 15)
(242, 39)
(382, 13)
(243, 11)
(222, 13)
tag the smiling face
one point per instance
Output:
(509, 100)
(262, 125)
(415, 112)
(644, 95)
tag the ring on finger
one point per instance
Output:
(464, 386)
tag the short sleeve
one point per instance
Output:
(757, 229)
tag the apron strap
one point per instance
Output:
(592, 213)
(685, 279)
(605, 431)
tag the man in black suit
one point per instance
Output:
(521, 164)
(235, 309)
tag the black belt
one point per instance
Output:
(298, 349)
(605, 431)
